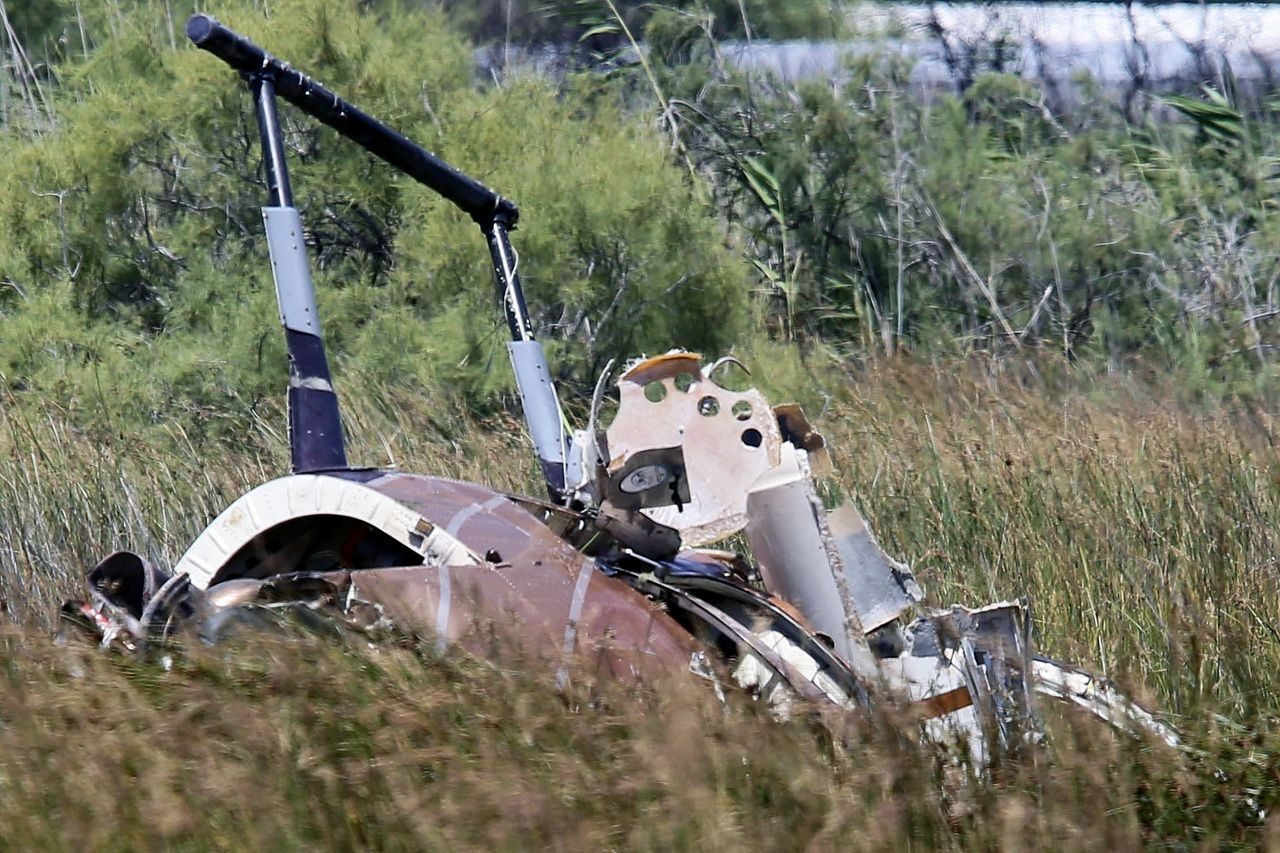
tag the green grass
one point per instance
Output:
(1143, 532)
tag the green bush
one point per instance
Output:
(880, 219)
(132, 247)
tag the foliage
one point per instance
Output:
(879, 218)
(134, 265)
(596, 23)
(38, 25)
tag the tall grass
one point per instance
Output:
(1141, 530)
(1144, 533)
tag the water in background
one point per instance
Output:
(1162, 47)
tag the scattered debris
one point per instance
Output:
(624, 570)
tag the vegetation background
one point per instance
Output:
(1041, 337)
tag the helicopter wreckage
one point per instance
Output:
(618, 572)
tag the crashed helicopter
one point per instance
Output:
(623, 571)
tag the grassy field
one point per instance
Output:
(1142, 530)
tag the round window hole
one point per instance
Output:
(655, 392)
(684, 381)
(741, 410)
(708, 406)
(752, 437)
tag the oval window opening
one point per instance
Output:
(708, 406)
(752, 437)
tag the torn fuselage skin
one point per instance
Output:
(630, 582)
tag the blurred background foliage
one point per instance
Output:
(134, 269)
(672, 197)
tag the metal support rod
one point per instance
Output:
(495, 215)
(315, 423)
(482, 203)
(279, 193)
(529, 363)
(506, 275)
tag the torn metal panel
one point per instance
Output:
(686, 449)
(940, 690)
(538, 589)
(823, 560)
(675, 456)
(1099, 697)
(884, 586)
(798, 559)
(989, 648)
